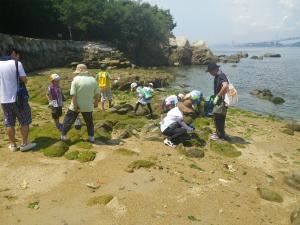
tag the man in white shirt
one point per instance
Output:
(9, 65)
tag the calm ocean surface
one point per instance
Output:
(280, 75)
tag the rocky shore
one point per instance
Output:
(130, 177)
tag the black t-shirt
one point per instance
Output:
(219, 79)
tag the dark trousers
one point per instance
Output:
(148, 105)
(173, 133)
(70, 118)
(219, 120)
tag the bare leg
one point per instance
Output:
(103, 105)
(11, 134)
(24, 134)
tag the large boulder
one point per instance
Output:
(180, 51)
(202, 55)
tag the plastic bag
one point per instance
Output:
(231, 96)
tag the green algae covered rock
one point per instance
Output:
(127, 152)
(225, 149)
(86, 156)
(84, 145)
(295, 217)
(72, 155)
(141, 164)
(100, 200)
(269, 195)
(293, 181)
(56, 150)
(194, 152)
(288, 131)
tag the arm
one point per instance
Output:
(223, 89)
(75, 103)
(185, 126)
(97, 96)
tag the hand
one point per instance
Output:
(216, 99)
(50, 104)
(190, 129)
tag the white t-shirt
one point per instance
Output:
(8, 80)
(173, 116)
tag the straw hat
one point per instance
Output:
(186, 106)
(81, 68)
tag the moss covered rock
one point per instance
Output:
(56, 150)
(225, 149)
(84, 145)
(100, 200)
(141, 164)
(127, 152)
(288, 131)
(295, 217)
(86, 156)
(293, 181)
(293, 126)
(269, 195)
(72, 155)
(193, 152)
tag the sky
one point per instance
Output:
(234, 21)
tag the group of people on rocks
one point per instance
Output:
(87, 91)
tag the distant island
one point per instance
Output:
(286, 42)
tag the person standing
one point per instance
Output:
(85, 95)
(12, 74)
(104, 81)
(56, 99)
(220, 109)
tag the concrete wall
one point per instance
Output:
(42, 53)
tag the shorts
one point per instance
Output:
(56, 112)
(12, 112)
(106, 95)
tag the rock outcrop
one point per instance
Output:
(42, 53)
(180, 51)
(272, 55)
(183, 53)
(235, 58)
(202, 54)
(267, 95)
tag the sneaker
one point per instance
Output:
(63, 137)
(169, 143)
(13, 147)
(27, 147)
(91, 139)
(214, 137)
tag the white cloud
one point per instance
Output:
(288, 4)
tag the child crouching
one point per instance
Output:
(145, 95)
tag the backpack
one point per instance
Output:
(147, 93)
(103, 80)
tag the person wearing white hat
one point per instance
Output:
(170, 102)
(85, 95)
(144, 96)
(56, 99)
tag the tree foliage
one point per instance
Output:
(137, 28)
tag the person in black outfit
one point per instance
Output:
(220, 109)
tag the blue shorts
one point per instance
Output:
(12, 112)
